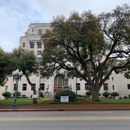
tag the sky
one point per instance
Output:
(17, 15)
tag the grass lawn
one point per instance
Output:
(21, 101)
(103, 100)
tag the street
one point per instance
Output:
(65, 120)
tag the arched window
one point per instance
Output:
(47, 31)
(40, 32)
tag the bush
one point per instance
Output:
(106, 94)
(18, 94)
(88, 93)
(71, 94)
(125, 97)
(114, 94)
(120, 98)
(41, 94)
(6, 94)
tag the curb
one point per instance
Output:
(38, 110)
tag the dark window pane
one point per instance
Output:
(78, 86)
(105, 86)
(42, 86)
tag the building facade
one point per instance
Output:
(32, 41)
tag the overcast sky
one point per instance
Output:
(17, 15)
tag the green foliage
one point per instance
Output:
(106, 94)
(114, 94)
(41, 94)
(6, 94)
(88, 93)
(18, 94)
(71, 94)
(4, 65)
(24, 60)
(92, 44)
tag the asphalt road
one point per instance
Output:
(69, 120)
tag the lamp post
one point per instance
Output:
(16, 76)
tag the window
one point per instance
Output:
(42, 86)
(32, 30)
(23, 44)
(128, 86)
(6, 88)
(105, 86)
(113, 87)
(24, 87)
(69, 65)
(31, 45)
(78, 86)
(14, 87)
(39, 45)
(47, 31)
(34, 85)
(39, 59)
(39, 31)
(112, 78)
(87, 86)
(38, 52)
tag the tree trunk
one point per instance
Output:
(34, 93)
(95, 95)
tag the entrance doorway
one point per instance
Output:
(58, 83)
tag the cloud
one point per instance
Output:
(17, 15)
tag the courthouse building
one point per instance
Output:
(32, 41)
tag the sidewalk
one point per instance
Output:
(83, 106)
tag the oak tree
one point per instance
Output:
(94, 45)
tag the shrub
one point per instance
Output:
(106, 94)
(114, 94)
(125, 97)
(88, 93)
(6, 94)
(18, 94)
(71, 94)
(120, 98)
(41, 94)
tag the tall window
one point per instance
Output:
(39, 45)
(14, 87)
(32, 30)
(105, 86)
(42, 86)
(112, 78)
(31, 45)
(38, 52)
(87, 86)
(23, 44)
(24, 88)
(39, 31)
(128, 86)
(78, 86)
(6, 88)
(113, 87)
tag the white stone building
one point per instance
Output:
(31, 41)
